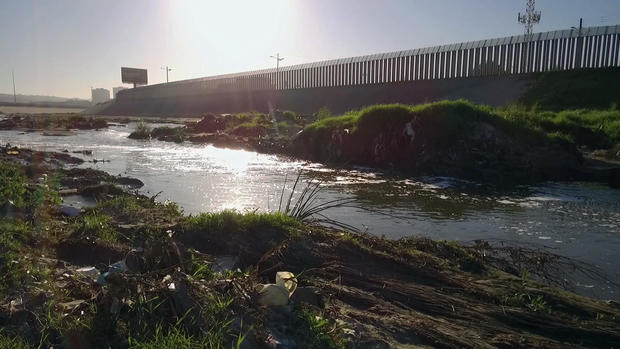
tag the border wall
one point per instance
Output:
(479, 71)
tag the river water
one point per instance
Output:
(578, 220)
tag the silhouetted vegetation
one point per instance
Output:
(579, 89)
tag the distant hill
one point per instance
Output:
(44, 101)
(8, 98)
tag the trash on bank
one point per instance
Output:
(118, 267)
(91, 272)
(69, 211)
(272, 295)
(288, 280)
(279, 293)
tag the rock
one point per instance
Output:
(69, 211)
(132, 182)
(101, 190)
(308, 295)
(209, 124)
(272, 295)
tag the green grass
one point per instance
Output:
(580, 89)
(96, 225)
(233, 222)
(440, 123)
(444, 121)
(17, 271)
(594, 128)
(13, 342)
(12, 185)
(317, 332)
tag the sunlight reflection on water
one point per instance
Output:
(579, 220)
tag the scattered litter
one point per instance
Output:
(287, 280)
(118, 267)
(69, 306)
(272, 295)
(88, 271)
(64, 192)
(277, 294)
(69, 211)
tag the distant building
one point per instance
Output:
(116, 89)
(100, 95)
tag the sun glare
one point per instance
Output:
(228, 35)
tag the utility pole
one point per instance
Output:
(278, 59)
(530, 17)
(14, 95)
(167, 70)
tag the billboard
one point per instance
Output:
(133, 76)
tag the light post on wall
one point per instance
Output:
(278, 59)
(167, 70)
(14, 95)
(579, 43)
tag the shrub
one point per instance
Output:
(142, 131)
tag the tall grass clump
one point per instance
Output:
(231, 222)
(142, 131)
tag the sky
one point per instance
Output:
(64, 47)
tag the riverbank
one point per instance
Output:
(188, 280)
(503, 147)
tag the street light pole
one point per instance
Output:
(167, 70)
(278, 59)
(14, 95)
(578, 54)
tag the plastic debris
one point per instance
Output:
(69, 306)
(118, 267)
(287, 280)
(272, 295)
(91, 272)
(69, 211)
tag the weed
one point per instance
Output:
(317, 331)
(96, 225)
(17, 270)
(13, 342)
(323, 113)
(142, 131)
(12, 185)
(233, 222)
